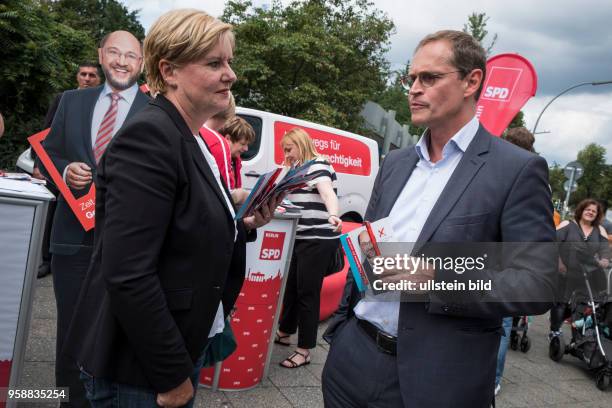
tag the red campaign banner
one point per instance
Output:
(256, 308)
(511, 80)
(83, 207)
(252, 324)
(347, 155)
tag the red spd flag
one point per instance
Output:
(511, 80)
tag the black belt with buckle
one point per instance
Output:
(385, 342)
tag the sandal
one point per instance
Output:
(279, 339)
(292, 363)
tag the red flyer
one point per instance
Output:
(83, 207)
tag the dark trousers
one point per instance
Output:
(68, 275)
(45, 253)
(301, 303)
(103, 393)
(357, 374)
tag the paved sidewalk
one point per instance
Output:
(530, 380)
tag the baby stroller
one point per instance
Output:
(591, 323)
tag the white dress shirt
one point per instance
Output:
(219, 322)
(103, 103)
(410, 212)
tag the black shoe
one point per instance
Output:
(43, 270)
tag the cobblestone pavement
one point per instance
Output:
(530, 379)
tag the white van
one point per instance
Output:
(354, 157)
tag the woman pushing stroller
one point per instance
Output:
(584, 230)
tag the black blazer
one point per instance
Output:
(70, 141)
(164, 256)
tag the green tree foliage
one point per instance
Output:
(39, 58)
(605, 189)
(517, 121)
(97, 17)
(41, 45)
(594, 183)
(556, 178)
(318, 60)
(395, 97)
(477, 27)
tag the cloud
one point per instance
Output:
(574, 121)
(551, 34)
(150, 10)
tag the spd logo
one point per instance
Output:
(500, 83)
(272, 246)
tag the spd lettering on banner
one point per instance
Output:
(83, 207)
(272, 246)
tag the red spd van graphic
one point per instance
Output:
(346, 154)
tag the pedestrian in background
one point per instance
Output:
(239, 134)
(585, 228)
(218, 145)
(316, 241)
(523, 138)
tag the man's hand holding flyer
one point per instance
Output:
(386, 270)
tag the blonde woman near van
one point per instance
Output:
(315, 244)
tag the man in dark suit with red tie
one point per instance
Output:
(84, 124)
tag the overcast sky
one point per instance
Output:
(568, 42)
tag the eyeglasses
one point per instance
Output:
(115, 54)
(427, 79)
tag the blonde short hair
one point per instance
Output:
(302, 140)
(180, 37)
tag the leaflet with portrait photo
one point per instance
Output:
(357, 251)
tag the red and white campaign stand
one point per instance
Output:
(23, 209)
(257, 308)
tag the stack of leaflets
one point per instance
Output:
(21, 176)
(272, 184)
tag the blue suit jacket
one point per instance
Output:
(498, 193)
(70, 141)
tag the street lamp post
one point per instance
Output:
(596, 83)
